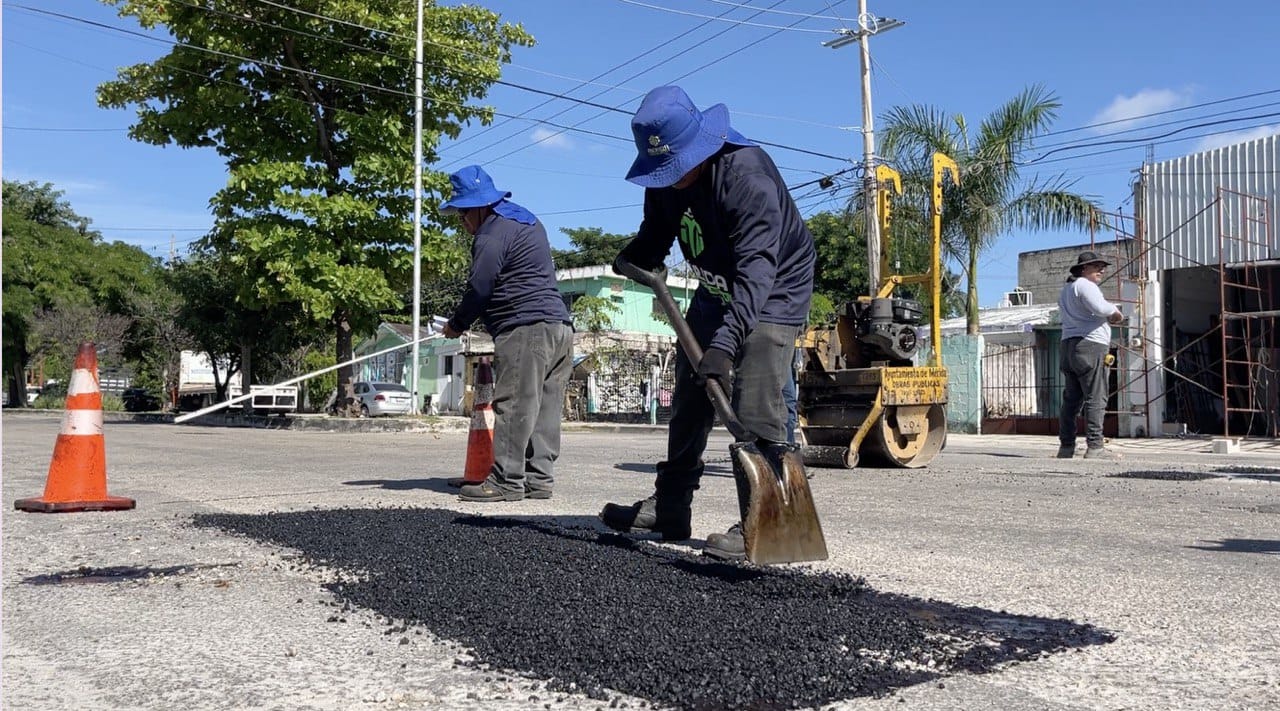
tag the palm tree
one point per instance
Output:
(992, 197)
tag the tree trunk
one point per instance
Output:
(346, 402)
(246, 375)
(971, 301)
(18, 375)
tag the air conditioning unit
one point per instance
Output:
(1018, 297)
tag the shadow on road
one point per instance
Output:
(440, 484)
(1241, 545)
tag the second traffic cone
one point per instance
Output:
(77, 478)
(480, 439)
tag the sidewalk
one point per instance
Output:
(316, 422)
(1190, 443)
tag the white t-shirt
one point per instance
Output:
(1084, 311)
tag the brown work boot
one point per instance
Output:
(669, 518)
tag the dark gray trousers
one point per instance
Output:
(1083, 365)
(762, 367)
(531, 367)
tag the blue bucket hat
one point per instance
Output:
(472, 187)
(672, 136)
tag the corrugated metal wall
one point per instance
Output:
(1181, 221)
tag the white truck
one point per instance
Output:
(197, 390)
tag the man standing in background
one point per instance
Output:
(1087, 318)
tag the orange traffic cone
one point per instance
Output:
(78, 474)
(480, 441)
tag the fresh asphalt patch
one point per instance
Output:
(571, 607)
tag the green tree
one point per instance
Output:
(313, 114)
(592, 246)
(842, 273)
(55, 267)
(229, 332)
(992, 197)
(594, 314)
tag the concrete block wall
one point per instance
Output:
(962, 356)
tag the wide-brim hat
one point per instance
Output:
(1087, 258)
(672, 136)
(472, 187)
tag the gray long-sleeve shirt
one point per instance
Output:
(1085, 311)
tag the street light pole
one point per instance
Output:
(867, 25)
(415, 377)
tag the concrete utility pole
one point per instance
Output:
(867, 25)
(869, 202)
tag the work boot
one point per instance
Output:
(1101, 452)
(488, 492)
(671, 518)
(726, 546)
(1066, 451)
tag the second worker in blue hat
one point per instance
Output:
(512, 288)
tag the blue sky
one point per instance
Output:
(1106, 61)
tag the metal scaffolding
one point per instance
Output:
(1241, 378)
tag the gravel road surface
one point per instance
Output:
(278, 569)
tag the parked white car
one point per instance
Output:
(383, 399)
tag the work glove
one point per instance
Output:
(629, 253)
(716, 364)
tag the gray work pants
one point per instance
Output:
(762, 368)
(1083, 365)
(531, 367)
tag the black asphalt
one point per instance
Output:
(571, 607)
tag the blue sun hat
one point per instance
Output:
(672, 136)
(472, 187)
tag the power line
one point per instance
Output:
(1149, 139)
(714, 61)
(281, 67)
(722, 19)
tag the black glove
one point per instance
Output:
(716, 364)
(629, 253)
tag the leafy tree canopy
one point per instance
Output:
(313, 113)
(54, 263)
(592, 246)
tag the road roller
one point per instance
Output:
(863, 391)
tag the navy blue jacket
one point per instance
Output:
(743, 238)
(513, 279)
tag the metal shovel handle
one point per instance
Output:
(656, 280)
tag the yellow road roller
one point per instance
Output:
(860, 392)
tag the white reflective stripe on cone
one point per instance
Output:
(82, 422)
(82, 382)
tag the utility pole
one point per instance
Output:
(414, 376)
(867, 25)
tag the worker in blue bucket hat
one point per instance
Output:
(512, 288)
(721, 197)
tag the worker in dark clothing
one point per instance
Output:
(721, 196)
(512, 287)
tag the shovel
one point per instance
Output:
(779, 521)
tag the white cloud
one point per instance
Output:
(1131, 110)
(547, 138)
(1226, 139)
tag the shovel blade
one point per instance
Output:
(779, 521)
